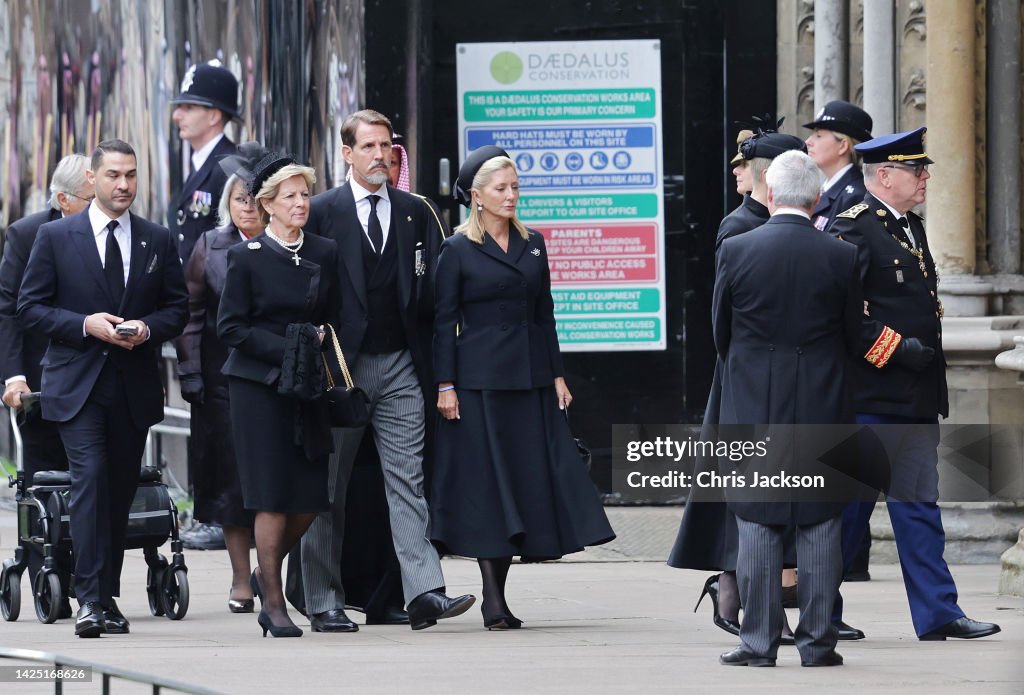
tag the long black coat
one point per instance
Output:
(843, 194)
(786, 315)
(747, 215)
(902, 302)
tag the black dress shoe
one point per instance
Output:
(89, 620)
(861, 576)
(833, 658)
(333, 620)
(847, 633)
(962, 628)
(790, 597)
(741, 657)
(788, 639)
(427, 608)
(392, 615)
(114, 621)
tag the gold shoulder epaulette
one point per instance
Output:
(854, 211)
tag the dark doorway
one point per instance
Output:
(718, 66)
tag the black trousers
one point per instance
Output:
(104, 453)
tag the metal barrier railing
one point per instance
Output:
(66, 669)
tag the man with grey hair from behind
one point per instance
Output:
(786, 315)
(21, 351)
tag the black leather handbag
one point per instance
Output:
(347, 405)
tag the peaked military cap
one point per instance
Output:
(898, 147)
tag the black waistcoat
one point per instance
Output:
(384, 330)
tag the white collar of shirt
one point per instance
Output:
(363, 207)
(791, 211)
(123, 234)
(836, 176)
(897, 217)
(200, 156)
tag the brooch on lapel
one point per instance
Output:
(142, 244)
(419, 266)
(535, 252)
(849, 189)
(253, 245)
(408, 218)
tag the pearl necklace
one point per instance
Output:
(292, 246)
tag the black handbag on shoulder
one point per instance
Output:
(347, 405)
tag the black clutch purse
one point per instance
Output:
(347, 405)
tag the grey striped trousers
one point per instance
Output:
(396, 414)
(758, 570)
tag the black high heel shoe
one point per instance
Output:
(711, 589)
(254, 582)
(277, 630)
(240, 605)
(501, 621)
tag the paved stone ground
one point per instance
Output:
(590, 627)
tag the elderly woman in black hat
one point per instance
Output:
(280, 288)
(838, 127)
(508, 479)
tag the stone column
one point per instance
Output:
(950, 142)
(830, 21)
(880, 64)
(1004, 135)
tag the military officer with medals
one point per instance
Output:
(207, 103)
(838, 127)
(900, 384)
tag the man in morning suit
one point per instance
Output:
(107, 289)
(786, 367)
(207, 102)
(21, 351)
(900, 382)
(387, 246)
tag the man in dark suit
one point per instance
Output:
(207, 103)
(901, 380)
(387, 245)
(838, 127)
(101, 379)
(21, 351)
(786, 367)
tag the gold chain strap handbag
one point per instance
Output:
(348, 405)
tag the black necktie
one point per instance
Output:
(113, 266)
(373, 228)
(905, 226)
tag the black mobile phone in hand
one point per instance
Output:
(124, 330)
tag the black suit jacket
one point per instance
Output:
(902, 302)
(20, 351)
(786, 314)
(188, 225)
(495, 326)
(415, 230)
(844, 193)
(747, 215)
(64, 283)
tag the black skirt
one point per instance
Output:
(274, 472)
(508, 480)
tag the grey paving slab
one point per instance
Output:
(591, 627)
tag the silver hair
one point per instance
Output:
(68, 177)
(871, 170)
(794, 180)
(224, 209)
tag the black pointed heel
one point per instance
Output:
(711, 589)
(277, 630)
(254, 582)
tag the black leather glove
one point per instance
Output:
(913, 355)
(192, 388)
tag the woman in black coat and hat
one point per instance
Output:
(508, 479)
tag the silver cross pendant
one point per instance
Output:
(295, 257)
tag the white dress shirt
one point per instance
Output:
(791, 211)
(200, 156)
(123, 234)
(363, 208)
(835, 177)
